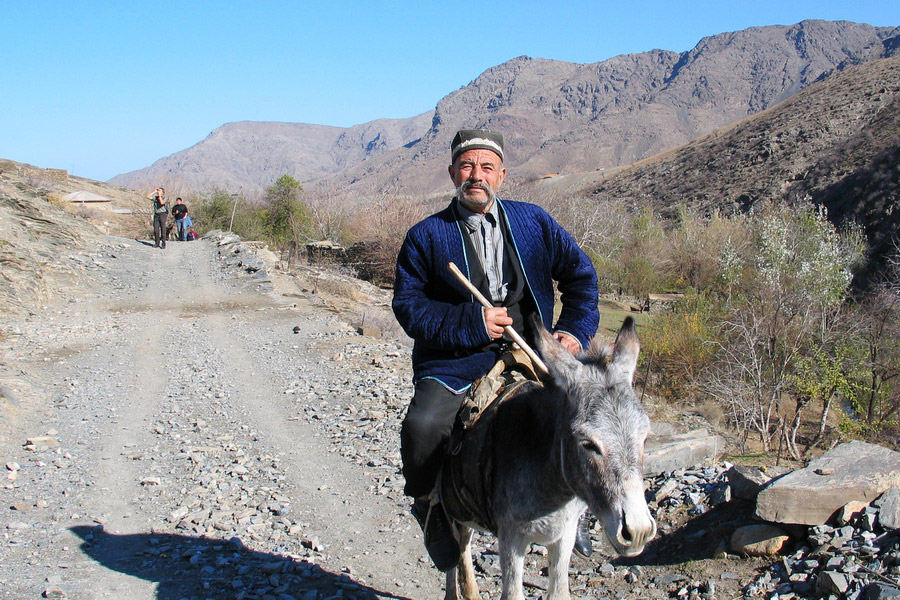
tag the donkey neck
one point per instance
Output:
(540, 430)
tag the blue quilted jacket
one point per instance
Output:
(447, 323)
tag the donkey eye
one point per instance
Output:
(590, 446)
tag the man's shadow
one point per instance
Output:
(200, 567)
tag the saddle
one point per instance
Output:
(466, 479)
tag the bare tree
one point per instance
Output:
(882, 335)
(381, 226)
(331, 217)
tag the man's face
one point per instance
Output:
(472, 170)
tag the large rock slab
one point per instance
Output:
(889, 509)
(854, 471)
(667, 450)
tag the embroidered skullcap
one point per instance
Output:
(471, 139)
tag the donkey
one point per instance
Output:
(545, 455)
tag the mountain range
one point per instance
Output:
(557, 117)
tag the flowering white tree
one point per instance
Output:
(779, 308)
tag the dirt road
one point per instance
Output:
(185, 442)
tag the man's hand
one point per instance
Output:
(568, 342)
(496, 320)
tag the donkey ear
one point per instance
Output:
(626, 349)
(560, 361)
(599, 350)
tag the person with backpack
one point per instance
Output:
(159, 207)
(182, 221)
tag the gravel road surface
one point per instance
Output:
(181, 433)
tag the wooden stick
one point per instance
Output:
(508, 329)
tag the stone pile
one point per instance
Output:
(241, 256)
(857, 557)
(854, 559)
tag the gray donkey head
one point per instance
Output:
(602, 435)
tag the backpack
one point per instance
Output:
(191, 235)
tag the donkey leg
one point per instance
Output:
(466, 569)
(460, 581)
(559, 554)
(451, 590)
(512, 566)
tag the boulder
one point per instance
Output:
(879, 591)
(758, 540)
(889, 509)
(673, 451)
(746, 482)
(854, 471)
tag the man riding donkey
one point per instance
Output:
(512, 252)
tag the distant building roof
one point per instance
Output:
(86, 196)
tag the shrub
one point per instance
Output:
(286, 217)
(678, 346)
(213, 210)
(381, 227)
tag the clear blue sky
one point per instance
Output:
(105, 87)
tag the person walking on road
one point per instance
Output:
(159, 206)
(182, 221)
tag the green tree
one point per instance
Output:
(824, 374)
(287, 218)
(212, 211)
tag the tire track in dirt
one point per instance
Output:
(331, 494)
(137, 392)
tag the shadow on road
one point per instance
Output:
(200, 567)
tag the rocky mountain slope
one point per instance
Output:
(836, 143)
(556, 116)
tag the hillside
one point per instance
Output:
(836, 143)
(558, 117)
(249, 156)
(46, 242)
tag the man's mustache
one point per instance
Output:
(466, 185)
